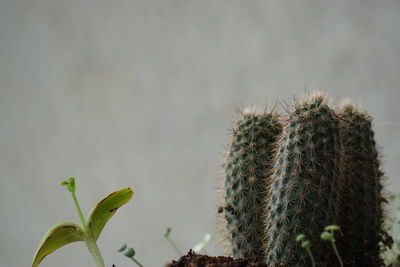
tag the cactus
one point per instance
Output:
(362, 213)
(321, 168)
(245, 173)
(304, 195)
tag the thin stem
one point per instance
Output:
(89, 239)
(94, 251)
(335, 249)
(78, 209)
(174, 246)
(311, 257)
(337, 254)
(138, 263)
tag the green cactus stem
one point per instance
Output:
(304, 196)
(246, 183)
(363, 212)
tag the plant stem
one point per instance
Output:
(90, 241)
(335, 249)
(174, 246)
(94, 251)
(78, 209)
(138, 263)
(337, 254)
(311, 257)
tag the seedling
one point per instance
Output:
(199, 248)
(171, 242)
(130, 253)
(306, 244)
(328, 235)
(89, 232)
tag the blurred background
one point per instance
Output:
(142, 94)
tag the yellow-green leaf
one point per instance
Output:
(57, 236)
(105, 209)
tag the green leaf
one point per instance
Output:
(130, 253)
(306, 244)
(300, 237)
(332, 227)
(105, 209)
(327, 236)
(57, 236)
(167, 232)
(122, 248)
(70, 184)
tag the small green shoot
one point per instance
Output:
(122, 248)
(171, 242)
(65, 233)
(130, 253)
(199, 248)
(306, 244)
(328, 235)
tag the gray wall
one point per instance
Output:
(141, 94)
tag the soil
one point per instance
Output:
(197, 260)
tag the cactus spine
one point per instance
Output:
(305, 190)
(246, 168)
(362, 215)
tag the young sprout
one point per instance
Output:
(89, 232)
(122, 248)
(171, 242)
(306, 244)
(200, 246)
(130, 253)
(328, 235)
